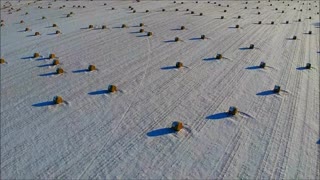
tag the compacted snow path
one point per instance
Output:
(127, 134)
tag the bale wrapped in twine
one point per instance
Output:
(92, 67)
(55, 62)
(36, 55)
(59, 71)
(112, 88)
(57, 100)
(177, 126)
(179, 65)
(233, 110)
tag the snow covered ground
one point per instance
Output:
(127, 134)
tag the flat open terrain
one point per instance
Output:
(127, 134)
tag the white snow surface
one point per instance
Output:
(127, 134)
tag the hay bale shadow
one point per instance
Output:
(142, 35)
(48, 74)
(45, 65)
(253, 67)
(42, 58)
(218, 116)
(30, 35)
(318, 142)
(160, 132)
(51, 33)
(194, 39)
(169, 41)
(244, 48)
(176, 29)
(99, 92)
(210, 59)
(168, 67)
(265, 93)
(81, 71)
(301, 68)
(135, 32)
(42, 104)
(29, 57)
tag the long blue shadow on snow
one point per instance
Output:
(80, 71)
(218, 116)
(318, 142)
(244, 48)
(193, 39)
(253, 67)
(169, 41)
(28, 57)
(168, 67)
(42, 104)
(99, 92)
(301, 68)
(45, 65)
(265, 93)
(210, 59)
(48, 74)
(160, 132)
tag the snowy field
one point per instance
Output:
(127, 134)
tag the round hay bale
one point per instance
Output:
(83, 6)
(147, 11)
(187, 9)
(27, 29)
(174, 1)
(177, 9)
(287, 22)
(259, 13)
(51, 56)
(92, 67)
(57, 100)
(270, 4)
(228, 5)
(58, 32)
(112, 8)
(276, 89)
(245, 7)
(192, 12)
(182, 2)
(59, 71)
(262, 65)
(310, 17)
(294, 8)
(276, 9)
(71, 12)
(176, 39)
(257, 7)
(141, 24)
(182, 28)
(149, 34)
(203, 37)
(55, 62)
(219, 56)
(201, 14)
(239, 17)
(233, 110)
(2, 61)
(90, 26)
(299, 20)
(225, 11)
(104, 27)
(282, 12)
(68, 15)
(130, 7)
(79, 6)
(251, 46)
(27, 13)
(308, 66)
(177, 126)
(2, 20)
(272, 22)
(222, 17)
(123, 26)
(219, 4)
(197, 2)
(49, 7)
(294, 37)
(21, 22)
(36, 55)
(63, 5)
(310, 32)
(237, 26)
(134, 11)
(54, 25)
(112, 88)
(163, 10)
(43, 17)
(2, 24)
(37, 34)
(141, 30)
(105, 4)
(259, 22)
(179, 65)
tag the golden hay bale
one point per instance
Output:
(276, 89)
(233, 110)
(92, 67)
(51, 56)
(55, 62)
(59, 71)
(2, 61)
(27, 29)
(54, 25)
(36, 33)
(262, 65)
(308, 66)
(58, 32)
(104, 27)
(141, 24)
(141, 30)
(123, 26)
(179, 65)
(90, 26)
(176, 39)
(219, 56)
(177, 126)
(237, 26)
(57, 100)
(112, 88)
(149, 34)
(182, 28)
(36, 55)
(203, 37)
